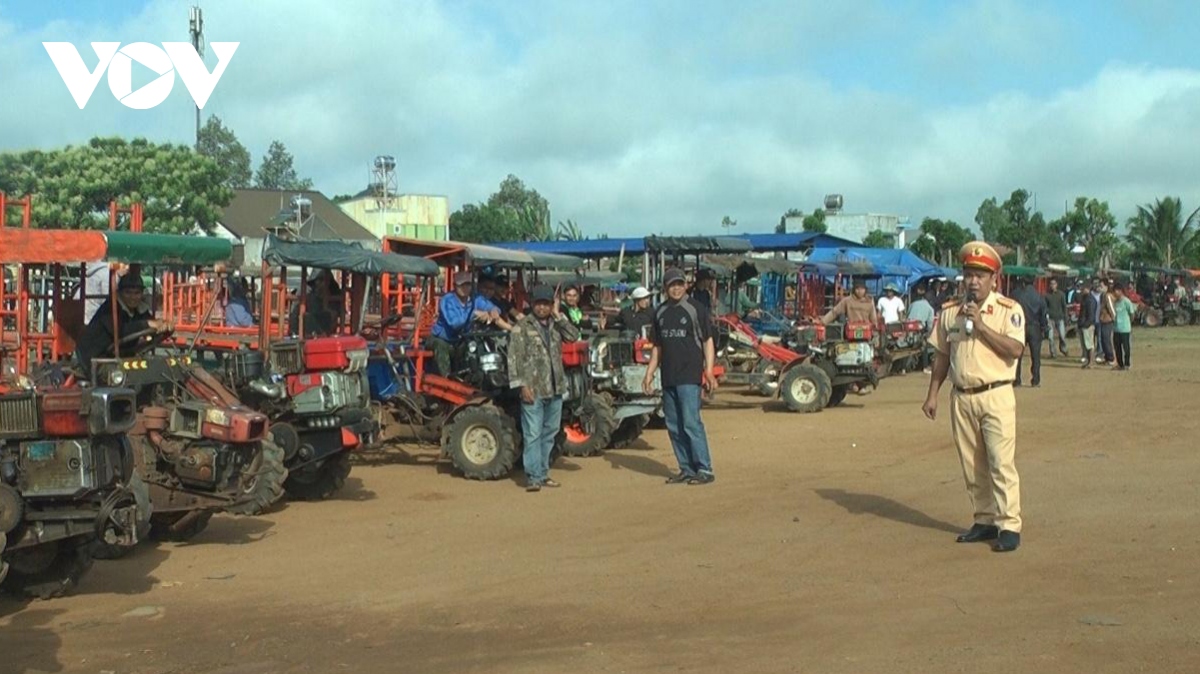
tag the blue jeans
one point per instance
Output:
(681, 405)
(238, 316)
(541, 421)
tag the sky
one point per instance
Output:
(665, 116)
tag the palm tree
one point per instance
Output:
(569, 231)
(1160, 235)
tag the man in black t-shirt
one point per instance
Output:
(683, 346)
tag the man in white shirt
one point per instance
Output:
(891, 306)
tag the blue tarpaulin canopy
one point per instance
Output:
(900, 266)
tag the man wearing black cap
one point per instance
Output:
(535, 367)
(132, 316)
(683, 345)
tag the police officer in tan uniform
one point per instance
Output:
(978, 340)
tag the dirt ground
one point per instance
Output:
(826, 545)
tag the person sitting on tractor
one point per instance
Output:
(133, 316)
(320, 319)
(635, 318)
(574, 312)
(704, 291)
(238, 313)
(456, 311)
(497, 291)
(891, 305)
(857, 307)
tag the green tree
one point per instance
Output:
(815, 222)
(341, 198)
(481, 223)
(1091, 225)
(878, 238)
(781, 228)
(569, 231)
(178, 188)
(727, 222)
(1160, 235)
(220, 144)
(276, 172)
(940, 240)
(530, 208)
(1015, 225)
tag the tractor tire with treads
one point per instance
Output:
(628, 431)
(261, 484)
(1152, 318)
(318, 482)
(806, 388)
(1181, 317)
(589, 428)
(47, 570)
(482, 442)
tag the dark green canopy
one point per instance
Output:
(691, 245)
(343, 257)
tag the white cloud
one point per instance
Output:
(633, 119)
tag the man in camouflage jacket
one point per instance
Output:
(535, 366)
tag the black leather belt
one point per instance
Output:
(980, 389)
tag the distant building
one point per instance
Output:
(307, 215)
(856, 226)
(416, 216)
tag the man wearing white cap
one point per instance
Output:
(636, 317)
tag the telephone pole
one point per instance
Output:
(196, 28)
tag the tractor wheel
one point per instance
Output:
(482, 442)
(1152, 318)
(141, 495)
(47, 570)
(177, 527)
(767, 388)
(317, 482)
(261, 482)
(1181, 317)
(590, 426)
(629, 430)
(806, 388)
(838, 395)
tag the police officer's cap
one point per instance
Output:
(980, 255)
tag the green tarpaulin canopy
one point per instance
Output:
(344, 257)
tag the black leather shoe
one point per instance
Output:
(977, 533)
(1007, 542)
(679, 478)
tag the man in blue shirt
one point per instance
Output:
(456, 310)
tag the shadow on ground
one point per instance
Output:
(31, 644)
(638, 464)
(881, 506)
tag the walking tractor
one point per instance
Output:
(67, 466)
(471, 409)
(304, 366)
(195, 449)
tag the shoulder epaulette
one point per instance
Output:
(1005, 302)
(950, 303)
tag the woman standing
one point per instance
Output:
(1124, 310)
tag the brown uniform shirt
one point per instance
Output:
(973, 363)
(853, 309)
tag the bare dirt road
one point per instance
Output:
(826, 545)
